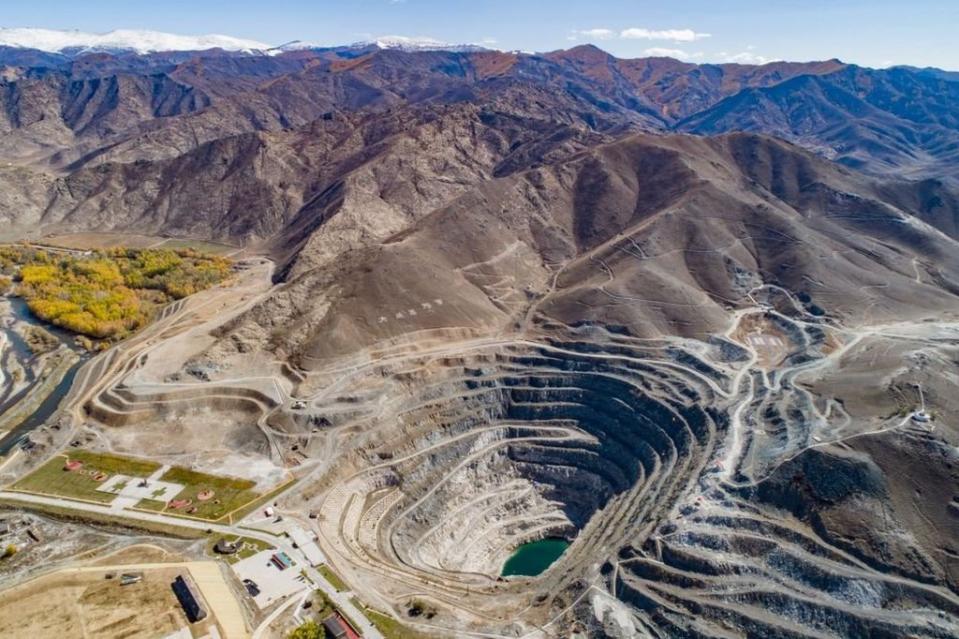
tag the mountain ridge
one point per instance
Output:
(92, 125)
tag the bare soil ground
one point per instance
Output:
(770, 343)
(86, 604)
(42, 543)
(85, 241)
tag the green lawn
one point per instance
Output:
(52, 479)
(390, 627)
(322, 606)
(229, 494)
(332, 577)
(263, 499)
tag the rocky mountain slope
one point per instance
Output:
(658, 235)
(80, 125)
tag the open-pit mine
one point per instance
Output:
(686, 476)
(407, 344)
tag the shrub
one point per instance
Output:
(309, 630)
(38, 274)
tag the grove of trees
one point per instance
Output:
(106, 294)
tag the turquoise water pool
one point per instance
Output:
(535, 557)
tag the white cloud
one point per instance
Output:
(636, 33)
(679, 54)
(744, 57)
(593, 34)
(675, 35)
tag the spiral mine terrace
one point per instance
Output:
(517, 442)
(662, 462)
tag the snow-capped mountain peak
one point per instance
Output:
(54, 41)
(405, 43)
(402, 43)
(139, 41)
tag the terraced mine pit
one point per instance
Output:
(652, 464)
(469, 457)
(675, 481)
(657, 460)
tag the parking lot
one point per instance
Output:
(273, 584)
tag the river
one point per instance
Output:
(51, 402)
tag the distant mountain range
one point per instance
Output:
(133, 40)
(76, 43)
(111, 139)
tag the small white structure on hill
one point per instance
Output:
(921, 415)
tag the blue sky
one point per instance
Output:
(869, 32)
